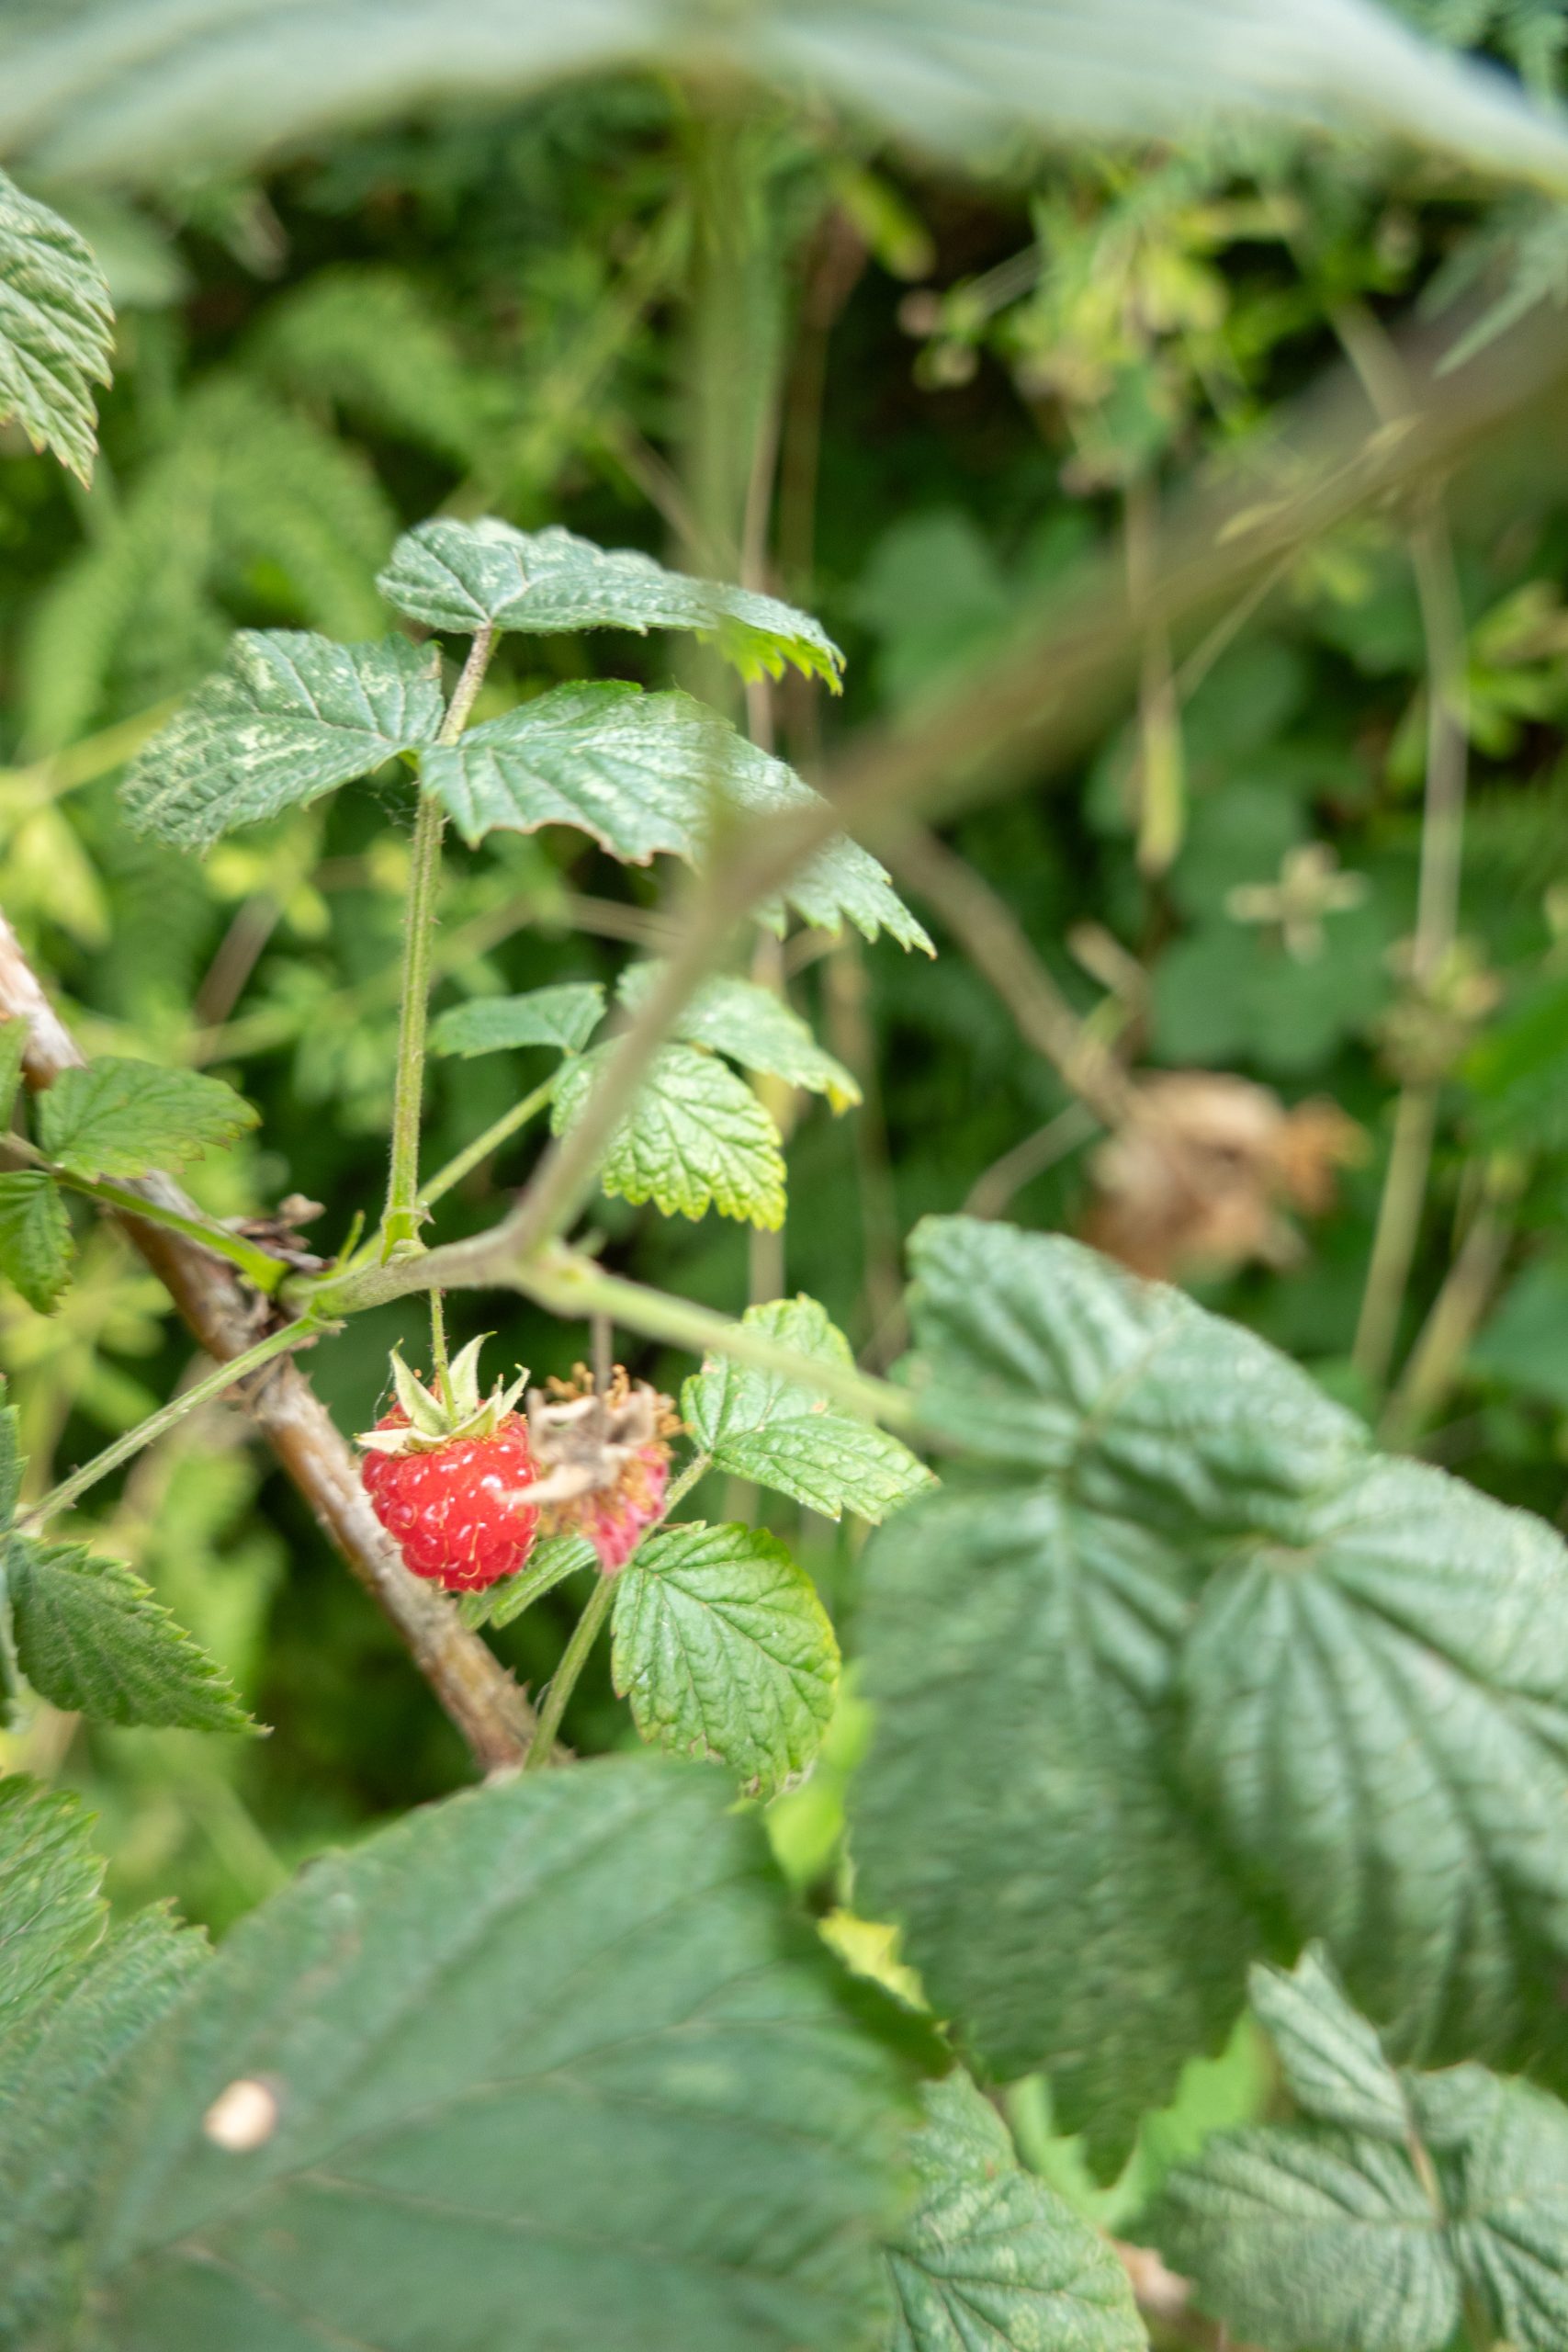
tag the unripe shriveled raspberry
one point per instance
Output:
(442, 1470)
(604, 1461)
(615, 1519)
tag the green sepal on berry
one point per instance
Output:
(454, 1408)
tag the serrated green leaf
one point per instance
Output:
(565, 1016)
(696, 1137)
(1039, 1356)
(567, 2071)
(35, 1237)
(725, 1651)
(75, 2004)
(289, 717)
(12, 1046)
(1319, 2243)
(645, 773)
(1378, 1717)
(1331, 2059)
(92, 1637)
(758, 1425)
(991, 2257)
(454, 575)
(754, 1027)
(1323, 2238)
(119, 1118)
(56, 329)
(1020, 1653)
(1500, 2151)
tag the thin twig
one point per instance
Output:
(993, 939)
(465, 1677)
(1437, 1356)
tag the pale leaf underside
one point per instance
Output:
(56, 329)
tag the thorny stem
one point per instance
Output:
(222, 1377)
(586, 1633)
(400, 1224)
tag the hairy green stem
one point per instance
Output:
(403, 1215)
(574, 1287)
(575, 1658)
(221, 1378)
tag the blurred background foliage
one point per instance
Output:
(924, 395)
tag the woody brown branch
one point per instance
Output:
(225, 1317)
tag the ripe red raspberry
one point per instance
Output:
(447, 1510)
(443, 1469)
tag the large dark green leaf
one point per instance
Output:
(1379, 1716)
(1041, 1357)
(75, 2001)
(992, 2260)
(112, 87)
(546, 2065)
(1015, 1814)
(289, 716)
(56, 329)
(462, 576)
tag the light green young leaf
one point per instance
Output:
(289, 716)
(454, 575)
(551, 1561)
(696, 1137)
(35, 1237)
(56, 329)
(754, 1027)
(1040, 1356)
(75, 2001)
(758, 1425)
(643, 774)
(120, 1118)
(565, 1016)
(1020, 1654)
(92, 1637)
(1378, 1717)
(1500, 2150)
(992, 2259)
(725, 1651)
(515, 1998)
(12, 1046)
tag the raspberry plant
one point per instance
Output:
(1183, 1696)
